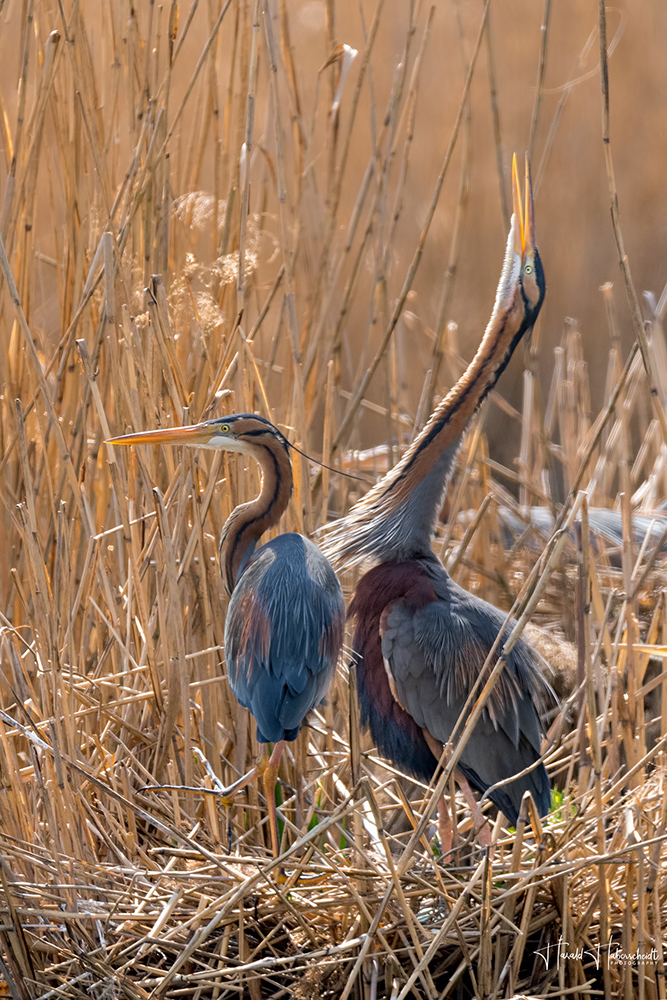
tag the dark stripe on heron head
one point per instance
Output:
(261, 431)
(287, 445)
(268, 426)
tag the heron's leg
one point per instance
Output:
(481, 826)
(229, 793)
(445, 831)
(270, 777)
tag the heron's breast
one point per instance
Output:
(289, 605)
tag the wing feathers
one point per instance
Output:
(434, 655)
(283, 632)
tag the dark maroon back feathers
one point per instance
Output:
(396, 734)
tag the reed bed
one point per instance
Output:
(133, 296)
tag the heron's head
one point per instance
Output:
(531, 273)
(521, 288)
(242, 432)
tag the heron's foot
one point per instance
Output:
(229, 793)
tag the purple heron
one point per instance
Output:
(421, 640)
(286, 615)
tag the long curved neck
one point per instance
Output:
(430, 460)
(248, 522)
(396, 519)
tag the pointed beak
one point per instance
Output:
(524, 220)
(197, 434)
(529, 213)
(516, 208)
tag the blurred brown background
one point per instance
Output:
(572, 203)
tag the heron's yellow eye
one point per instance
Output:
(224, 428)
(528, 269)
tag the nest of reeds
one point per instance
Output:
(131, 298)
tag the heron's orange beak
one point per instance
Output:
(197, 434)
(524, 221)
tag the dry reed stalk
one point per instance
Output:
(112, 666)
(497, 133)
(631, 293)
(407, 284)
(541, 70)
(444, 306)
